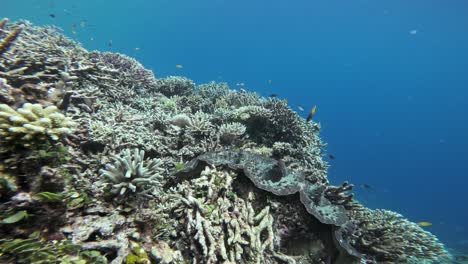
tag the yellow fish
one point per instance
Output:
(179, 66)
(424, 224)
(311, 114)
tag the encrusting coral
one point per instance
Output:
(131, 173)
(33, 122)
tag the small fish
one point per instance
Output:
(424, 224)
(240, 84)
(52, 15)
(137, 49)
(73, 32)
(366, 186)
(83, 23)
(330, 156)
(269, 81)
(413, 32)
(300, 108)
(311, 114)
(179, 66)
(273, 95)
(110, 43)
(91, 38)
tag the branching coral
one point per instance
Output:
(200, 124)
(6, 43)
(222, 227)
(174, 85)
(132, 173)
(33, 122)
(390, 238)
(228, 133)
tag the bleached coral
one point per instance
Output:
(33, 122)
(131, 173)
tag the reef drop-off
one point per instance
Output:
(101, 162)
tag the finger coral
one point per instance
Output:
(222, 227)
(33, 122)
(131, 173)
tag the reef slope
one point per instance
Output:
(102, 162)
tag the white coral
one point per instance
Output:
(33, 121)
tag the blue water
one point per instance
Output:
(390, 79)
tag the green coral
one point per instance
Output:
(131, 172)
(33, 122)
(138, 255)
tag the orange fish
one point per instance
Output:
(311, 114)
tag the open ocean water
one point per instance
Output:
(389, 78)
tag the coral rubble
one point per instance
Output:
(116, 166)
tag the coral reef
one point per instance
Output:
(117, 166)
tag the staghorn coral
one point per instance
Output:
(132, 173)
(7, 42)
(387, 237)
(33, 122)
